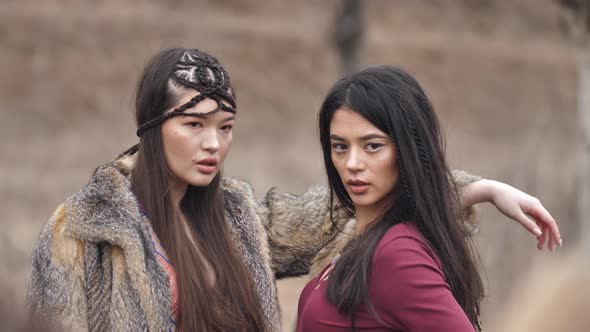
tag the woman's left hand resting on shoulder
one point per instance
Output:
(517, 205)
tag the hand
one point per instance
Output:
(527, 211)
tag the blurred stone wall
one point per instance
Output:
(501, 77)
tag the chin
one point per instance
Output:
(202, 180)
(363, 201)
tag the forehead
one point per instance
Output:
(346, 122)
(207, 105)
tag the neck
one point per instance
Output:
(365, 215)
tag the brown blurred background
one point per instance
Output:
(501, 74)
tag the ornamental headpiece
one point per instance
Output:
(203, 73)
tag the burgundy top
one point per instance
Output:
(407, 288)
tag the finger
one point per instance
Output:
(542, 238)
(550, 240)
(528, 223)
(542, 216)
(552, 243)
(546, 235)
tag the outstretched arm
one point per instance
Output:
(303, 238)
(517, 205)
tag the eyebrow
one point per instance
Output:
(205, 116)
(363, 138)
(372, 136)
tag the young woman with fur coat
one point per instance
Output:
(159, 240)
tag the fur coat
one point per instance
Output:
(94, 267)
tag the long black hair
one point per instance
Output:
(393, 101)
(203, 246)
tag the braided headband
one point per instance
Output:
(180, 111)
(203, 74)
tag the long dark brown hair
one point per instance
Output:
(394, 102)
(203, 247)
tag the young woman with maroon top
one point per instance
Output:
(158, 240)
(411, 266)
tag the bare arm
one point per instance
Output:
(517, 205)
(303, 238)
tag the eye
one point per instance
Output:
(373, 147)
(194, 124)
(227, 128)
(339, 147)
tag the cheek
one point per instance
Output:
(225, 145)
(168, 142)
(394, 173)
(338, 162)
(177, 145)
(388, 171)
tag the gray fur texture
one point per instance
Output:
(94, 267)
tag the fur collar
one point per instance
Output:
(106, 211)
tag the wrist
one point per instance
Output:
(489, 190)
(479, 191)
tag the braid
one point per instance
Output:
(191, 103)
(405, 185)
(201, 72)
(421, 149)
(225, 79)
(406, 192)
(182, 81)
(227, 97)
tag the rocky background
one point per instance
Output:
(501, 74)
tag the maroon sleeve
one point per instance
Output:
(408, 289)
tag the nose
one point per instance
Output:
(210, 141)
(354, 163)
